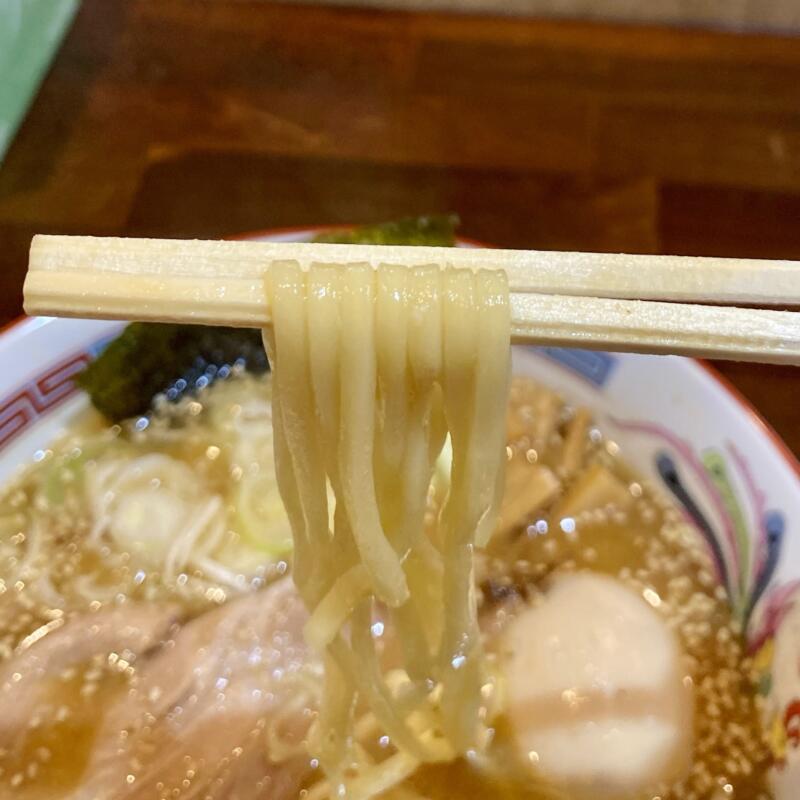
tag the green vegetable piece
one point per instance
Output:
(437, 230)
(149, 359)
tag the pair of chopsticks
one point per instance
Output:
(645, 304)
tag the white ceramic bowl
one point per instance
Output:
(673, 417)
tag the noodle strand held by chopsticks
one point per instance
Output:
(373, 369)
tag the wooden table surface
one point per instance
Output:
(203, 119)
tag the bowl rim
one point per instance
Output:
(755, 416)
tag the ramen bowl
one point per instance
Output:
(673, 418)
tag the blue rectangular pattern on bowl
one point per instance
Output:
(30, 33)
(595, 366)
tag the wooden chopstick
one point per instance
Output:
(573, 299)
(646, 326)
(674, 278)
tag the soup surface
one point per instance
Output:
(151, 644)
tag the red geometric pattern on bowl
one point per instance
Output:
(35, 398)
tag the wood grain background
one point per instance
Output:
(202, 119)
(774, 15)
